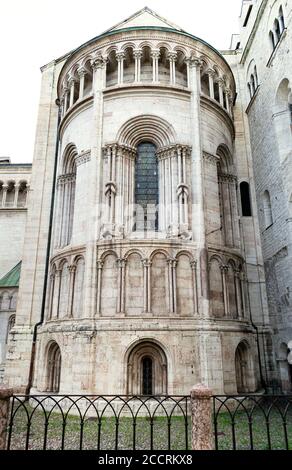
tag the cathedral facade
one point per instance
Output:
(142, 268)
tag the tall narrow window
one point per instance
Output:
(267, 209)
(147, 376)
(245, 199)
(146, 188)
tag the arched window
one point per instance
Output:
(147, 370)
(53, 368)
(66, 197)
(245, 199)
(11, 323)
(146, 187)
(147, 376)
(267, 206)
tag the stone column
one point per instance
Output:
(195, 289)
(72, 273)
(147, 289)
(121, 285)
(201, 413)
(196, 196)
(224, 270)
(94, 199)
(238, 293)
(221, 86)
(99, 265)
(51, 297)
(155, 56)
(137, 53)
(66, 93)
(211, 75)
(72, 89)
(172, 58)
(4, 194)
(120, 58)
(5, 395)
(16, 189)
(174, 286)
(81, 72)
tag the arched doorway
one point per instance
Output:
(147, 370)
(243, 369)
(53, 368)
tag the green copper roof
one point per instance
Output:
(11, 279)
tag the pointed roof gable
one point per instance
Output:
(145, 17)
(11, 279)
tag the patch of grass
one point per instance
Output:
(107, 433)
(260, 432)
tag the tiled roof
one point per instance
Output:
(11, 279)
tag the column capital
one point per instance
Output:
(193, 264)
(98, 62)
(120, 56)
(172, 56)
(220, 82)
(211, 72)
(99, 264)
(195, 62)
(82, 71)
(137, 53)
(72, 268)
(224, 268)
(71, 81)
(121, 262)
(155, 53)
(146, 263)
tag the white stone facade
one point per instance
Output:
(143, 302)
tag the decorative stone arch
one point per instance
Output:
(133, 251)
(244, 368)
(187, 253)
(53, 362)
(128, 45)
(147, 371)
(146, 127)
(158, 251)
(165, 45)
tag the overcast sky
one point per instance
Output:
(34, 32)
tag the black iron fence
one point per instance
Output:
(262, 422)
(111, 422)
(99, 422)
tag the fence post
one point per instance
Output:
(5, 395)
(201, 412)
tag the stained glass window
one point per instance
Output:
(146, 188)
